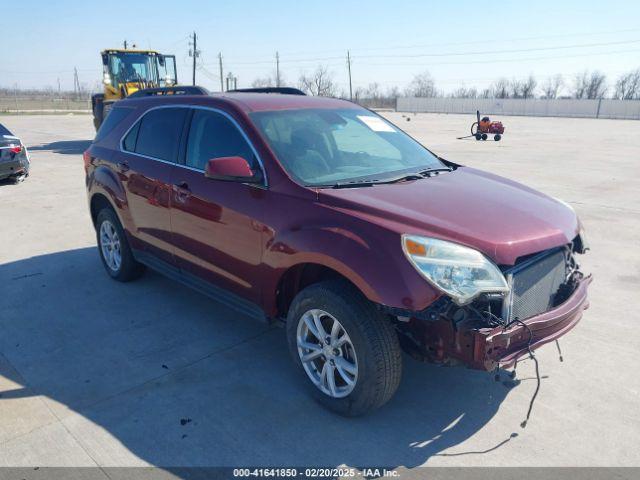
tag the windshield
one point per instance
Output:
(321, 147)
(133, 67)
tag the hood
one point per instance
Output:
(501, 218)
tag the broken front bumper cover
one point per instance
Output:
(502, 347)
(473, 344)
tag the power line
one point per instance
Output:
(452, 54)
(453, 44)
(492, 52)
(509, 60)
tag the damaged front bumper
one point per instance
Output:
(502, 347)
(472, 343)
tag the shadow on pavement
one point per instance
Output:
(64, 147)
(179, 380)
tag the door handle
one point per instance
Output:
(123, 167)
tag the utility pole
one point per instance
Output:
(195, 53)
(349, 69)
(277, 69)
(232, 82)
(125, 44)
(221, 76)
(76, 82)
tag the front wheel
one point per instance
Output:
(347, 349)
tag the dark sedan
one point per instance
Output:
(14, 158)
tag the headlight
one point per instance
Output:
(461, 272)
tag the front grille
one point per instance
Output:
(534, 285)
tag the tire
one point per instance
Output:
(372, 346)
(497, 137)
(478, 136)
(98, 109)
(19, 178)
(484, 136)
(127, 268)
(106, 109)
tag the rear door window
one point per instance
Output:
(159, 133)
(213, 135)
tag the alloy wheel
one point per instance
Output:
(110, 245)
(327, 353)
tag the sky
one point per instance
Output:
(459, 42)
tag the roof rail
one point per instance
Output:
(281, 90)
(177, 90)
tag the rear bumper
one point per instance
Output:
(10, 168)
(500, 347)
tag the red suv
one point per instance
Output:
(322, 214)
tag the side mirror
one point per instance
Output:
(235, 169)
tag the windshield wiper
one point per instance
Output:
(435, 170)
(363, 183)
(370, 183)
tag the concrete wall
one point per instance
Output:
(623, 109)
(42, 103)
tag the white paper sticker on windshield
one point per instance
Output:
(376, 124)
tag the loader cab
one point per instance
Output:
(127, 71)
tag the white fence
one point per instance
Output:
(621, 109)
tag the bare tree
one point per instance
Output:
(422, 85)
(373, 91)
(263, 82)
(268, 81)
(551, 87)
(358, 94)
(528, 87)
(464, 92)
(500, 88)
(628, 86)
(392, 92)
(590, 85)
(319, 83)
(515, 88)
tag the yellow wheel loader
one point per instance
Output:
(128, 70)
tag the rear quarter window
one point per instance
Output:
(114, 118)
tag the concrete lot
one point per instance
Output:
(93, 372)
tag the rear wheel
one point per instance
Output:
(98, 107)
(114, 249)
(348, 351)
(19, 178)
(497, 137)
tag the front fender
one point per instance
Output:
(374, 263)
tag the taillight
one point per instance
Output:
(16, 149)
(87, 160)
